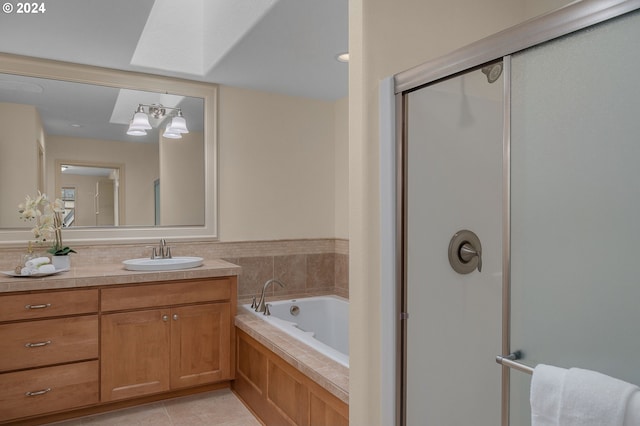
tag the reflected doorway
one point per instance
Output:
(91, 193)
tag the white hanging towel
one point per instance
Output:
(546, 393)
(577, 397)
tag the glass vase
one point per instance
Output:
(61, 262)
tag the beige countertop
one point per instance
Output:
(113, 274)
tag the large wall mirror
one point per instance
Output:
(68, 131)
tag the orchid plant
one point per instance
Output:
(48, 221)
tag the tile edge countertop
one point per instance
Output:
(113, 274)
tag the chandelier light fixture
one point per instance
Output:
(139, 124)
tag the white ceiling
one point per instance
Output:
(282, 46)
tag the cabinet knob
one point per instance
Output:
(165, 317)
(175, 317)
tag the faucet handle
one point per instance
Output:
(154, 253)
(267, 311)
(167, 253)
(254, 304)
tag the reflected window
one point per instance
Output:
(68, 197)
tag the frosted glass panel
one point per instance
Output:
(454, 182)
(575, 205)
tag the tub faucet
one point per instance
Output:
(262, 303)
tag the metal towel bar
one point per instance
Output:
(510, 361)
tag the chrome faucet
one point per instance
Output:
(262, 303)
(163, 251)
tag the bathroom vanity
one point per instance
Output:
(91, 340)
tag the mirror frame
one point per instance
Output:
(44, 68)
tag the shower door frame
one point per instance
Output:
(568, 19)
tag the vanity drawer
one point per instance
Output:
(43, 390)
(48, 304)
(46, 342)
(166, 294)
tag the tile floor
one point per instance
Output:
(216, 408)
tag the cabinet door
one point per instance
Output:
(135, 354)
(200, 344)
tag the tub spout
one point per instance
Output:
(262, 303)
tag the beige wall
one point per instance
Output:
(181, 180)
(19, 139)
(140, 170)
(385, 38)
(341, 164)
(276, 166)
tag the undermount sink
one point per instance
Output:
(167, 264)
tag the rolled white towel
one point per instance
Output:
(28, 271)
(38, 261)
(46, 269)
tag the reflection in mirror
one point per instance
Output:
(54, 123)
(91, 194)
(56, 113)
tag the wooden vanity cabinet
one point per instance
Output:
(91, 349)
(49, 352)
(162, 337)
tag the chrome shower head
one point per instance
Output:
(493, 72)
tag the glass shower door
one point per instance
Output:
(453, 182)
(575, 205)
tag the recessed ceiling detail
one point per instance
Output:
(213, 28)
(279, 46)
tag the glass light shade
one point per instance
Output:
(179, 125)
(141, 121)
(170, 133)
(135, 130)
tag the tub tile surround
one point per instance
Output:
(302, 275)
(307, 267)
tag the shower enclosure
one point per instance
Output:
(454, 184)
(519, 214)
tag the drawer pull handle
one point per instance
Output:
(165, 318)
(37, 345)
(37, 393)
(45, 305)
(175, 317)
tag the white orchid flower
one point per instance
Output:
(48, 220)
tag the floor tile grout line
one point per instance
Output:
(107, 418)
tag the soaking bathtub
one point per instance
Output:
(321, 322)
